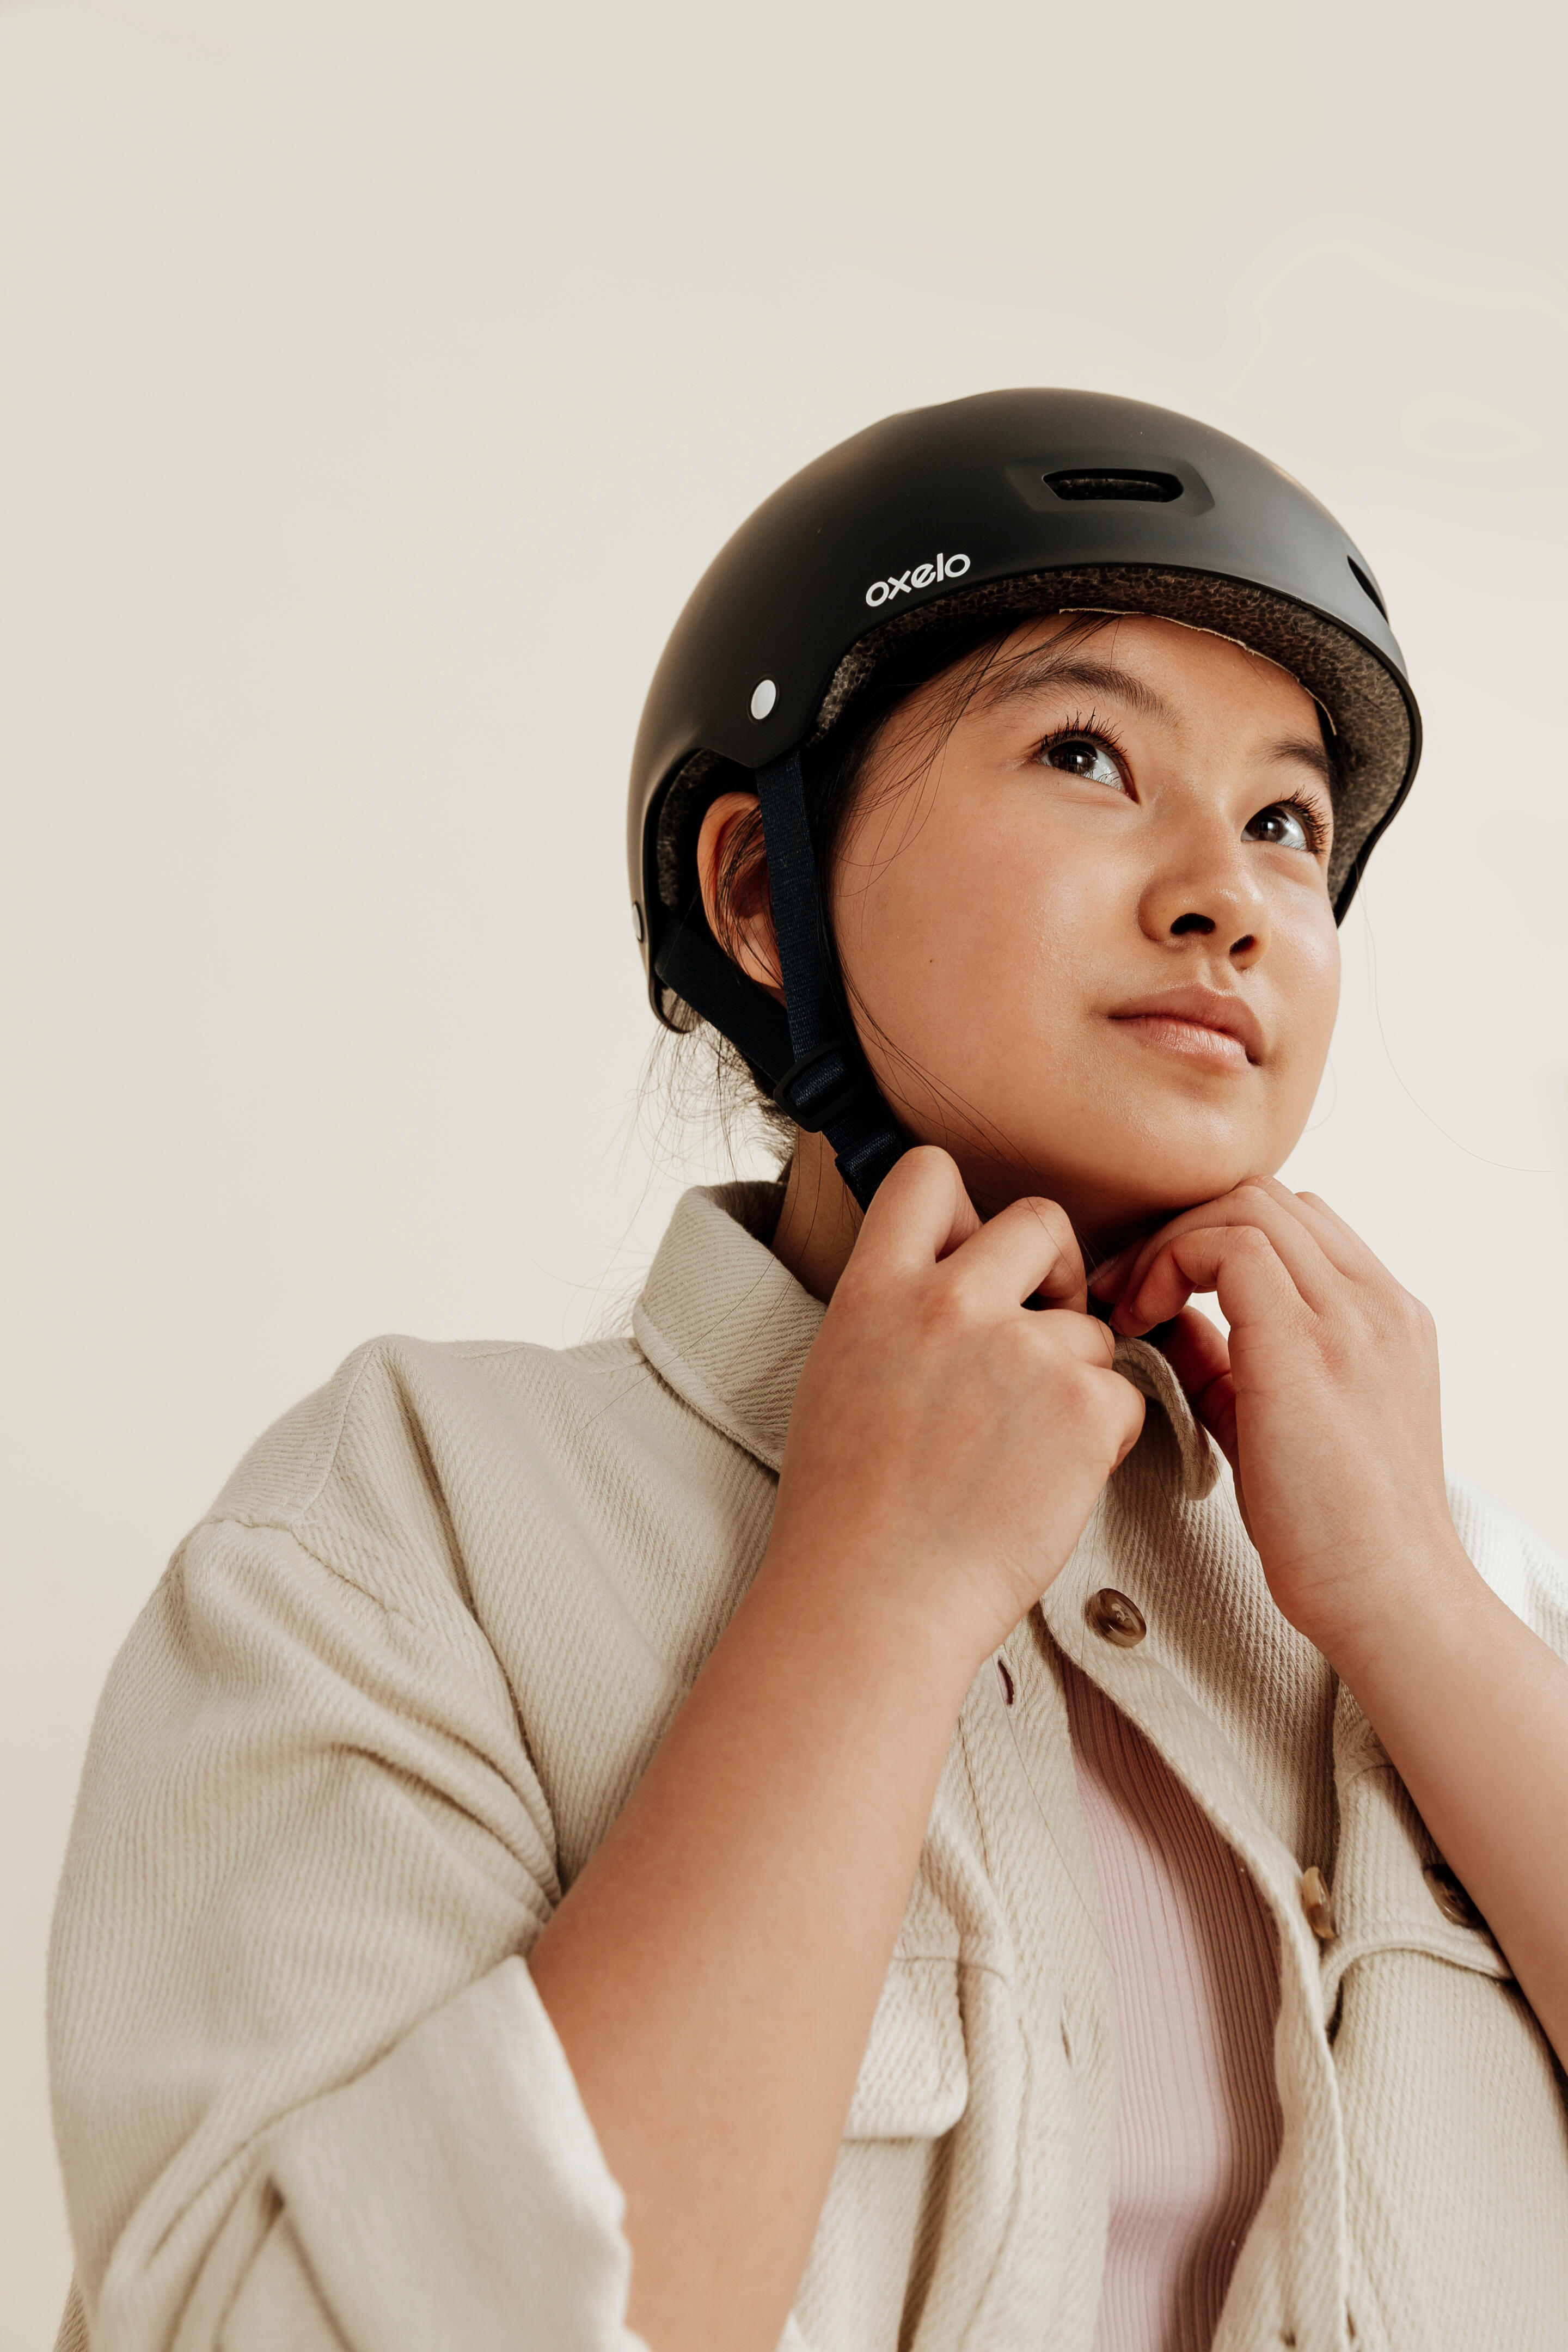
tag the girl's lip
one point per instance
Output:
(1194, 1040)
(1207, 1023)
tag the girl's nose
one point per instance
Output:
(1208, 894)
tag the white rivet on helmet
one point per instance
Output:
(765, 694)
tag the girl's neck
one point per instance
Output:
(819, 1220)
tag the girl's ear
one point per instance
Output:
(732, 872)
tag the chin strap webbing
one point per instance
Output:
(820, 1076)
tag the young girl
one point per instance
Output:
(926, 1798)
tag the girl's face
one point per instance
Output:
(1090, 944)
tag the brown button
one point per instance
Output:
(1116, 1618)
(1318, 1904)
(1449, 1897)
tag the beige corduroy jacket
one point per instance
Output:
(391, 1693)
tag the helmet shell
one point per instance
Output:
(1034, 501)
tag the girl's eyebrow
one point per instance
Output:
(1045, 673)
(1303, 747)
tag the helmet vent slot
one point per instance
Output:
(1365, 584)
(1116, 482)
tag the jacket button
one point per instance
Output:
(1116, 1618)
(1318, 1904)
(1449, 1897)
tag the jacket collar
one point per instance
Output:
(729, 1329)
(722, 1321)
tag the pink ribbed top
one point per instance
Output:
(1196, 1969)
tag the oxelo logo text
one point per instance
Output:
(919, 575)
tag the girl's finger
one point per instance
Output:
(1083, 1336)
(920, 1212)
(1199, 1355)
(1345, 1249)
(1239, 1262)
(1026, 1250)
(1340, 1241)
(1197, 1350)
(1126, 1406)
(1295, 1244)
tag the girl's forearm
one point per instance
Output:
(713, 1973)
(1473, 1710)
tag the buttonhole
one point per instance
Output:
(1007, 1683)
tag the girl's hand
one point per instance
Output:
(944, 1439)
(1324, 1403)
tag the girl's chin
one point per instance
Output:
(1126, 1193)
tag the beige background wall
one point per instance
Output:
(377, 381)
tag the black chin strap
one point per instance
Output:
(819, 1074)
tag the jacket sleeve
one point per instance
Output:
(305, 2093)
(1520, 1567)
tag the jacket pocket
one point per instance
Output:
(914, 2078)
(1456, 2149)
(1393, 1890)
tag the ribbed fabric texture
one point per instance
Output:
(394, 1687)
(1197, 1985)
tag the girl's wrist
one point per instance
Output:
(856, 1605)
(1385, 1617)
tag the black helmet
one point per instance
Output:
(1006, 504)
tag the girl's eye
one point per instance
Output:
(1287, 825)
(1085, 756)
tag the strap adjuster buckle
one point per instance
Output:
(796, 1094)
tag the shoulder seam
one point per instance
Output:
(372, 1350)
(328, 1567)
